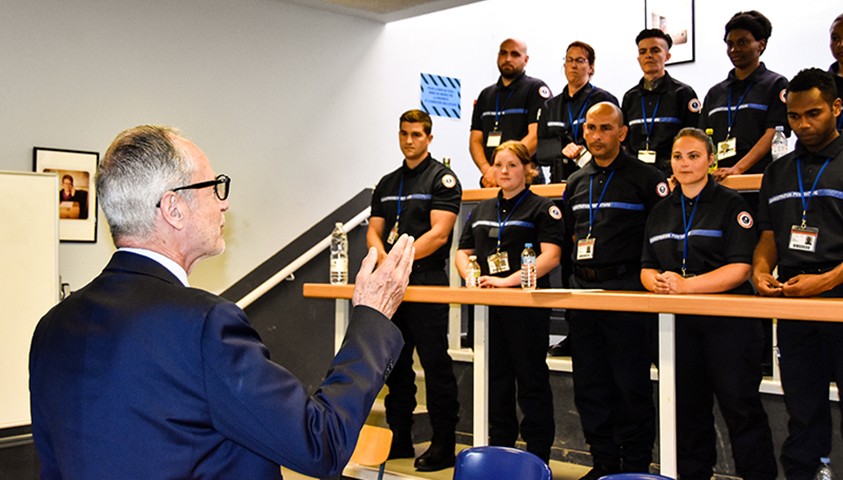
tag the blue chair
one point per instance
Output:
(499, 462)
(634, 476)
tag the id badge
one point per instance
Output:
(647, 156)
(498, 262)
(494, 139)
(803, 239)
(585, 249)
(727, 148)
(393, 234)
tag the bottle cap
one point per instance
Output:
(472, 258)
(528, 245)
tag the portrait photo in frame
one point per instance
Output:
(77, 190)
(675, 18)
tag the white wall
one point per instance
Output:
(300, 106)
(277, 95)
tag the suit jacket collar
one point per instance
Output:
(128, 262)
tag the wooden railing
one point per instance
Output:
(666, 306)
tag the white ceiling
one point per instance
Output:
(384, 11)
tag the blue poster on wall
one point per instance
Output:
(440, 95)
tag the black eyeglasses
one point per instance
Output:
(221, 184)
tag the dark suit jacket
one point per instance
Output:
(137, 376)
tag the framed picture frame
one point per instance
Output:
(676, 18)
(77, 190)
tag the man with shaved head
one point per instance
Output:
(506, 110)
(606, 206)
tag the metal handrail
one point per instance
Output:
(307, 256)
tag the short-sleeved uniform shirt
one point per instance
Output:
(720, 231)
(834, 69)
(757, 103)
(526, 218)
(512, 107)
(562, 121)
(619, 217)
(780, 206)
(654, 117)
(429, 186)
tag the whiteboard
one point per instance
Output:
(29, 249)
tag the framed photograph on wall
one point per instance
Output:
(675, 18)
(77, 191)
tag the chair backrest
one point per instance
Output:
(372, 446)
(499, 462)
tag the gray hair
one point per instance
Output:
(140, 166)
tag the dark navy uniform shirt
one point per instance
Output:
(534, 220)
(780, 206)
(761, 108)
(722, 231)
(834, 69)
(429, 186)
(514, 107)
(668, 108)
(562, 121)
(619, 219)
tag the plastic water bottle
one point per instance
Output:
(528, 267)
(713, 167)
(339, 256)
(472, 272)
(779, 145)
(825, 472)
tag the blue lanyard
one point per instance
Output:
(576, 128)
(503, 224)
(648, 127)
(806, 201)
(592, 210)
(400, 189)
(729, 110)
(497, 108)
(687, 224)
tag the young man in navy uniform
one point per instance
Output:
(606, 207)
(800, 217)
(659, 106)
(506, 110)
(836, 45)
(421, 198)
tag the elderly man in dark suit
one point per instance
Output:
(137, 375)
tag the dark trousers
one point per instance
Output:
(518, 339)
(721, 356)
(425, 328)
(612, 388)
(811, 355)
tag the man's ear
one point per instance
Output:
(172, 210)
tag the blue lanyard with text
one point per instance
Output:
(497, 108)
(503, 224)
(805, 201)
(648, 127)
(576, 128)
(687, 224)
(592, 211)
(729, 110)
